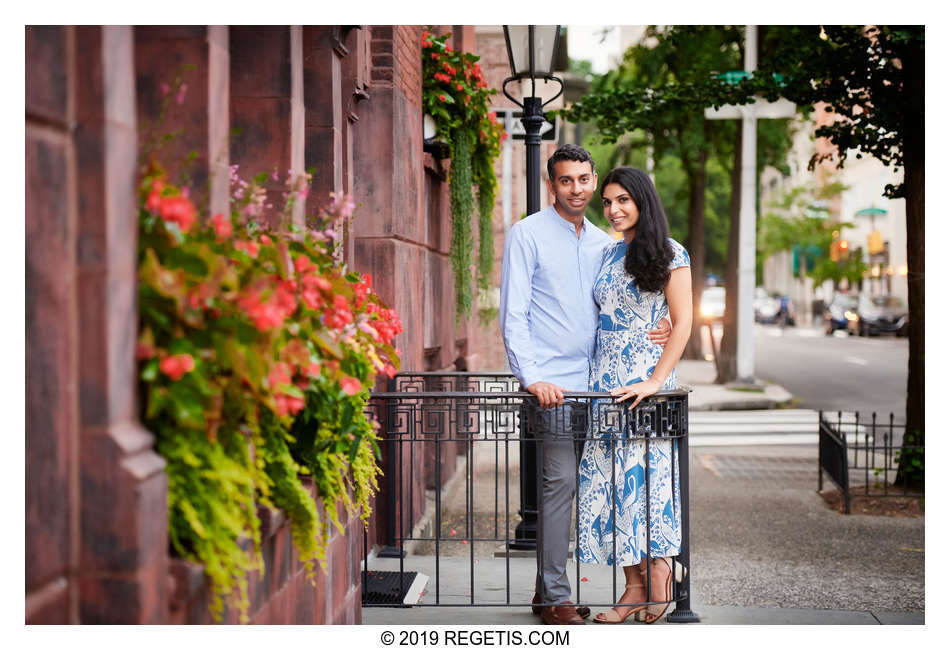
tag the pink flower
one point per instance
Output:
(389, 370)
(177, 365)
(350, 385)
(164, 88)
(267, 241)
(181, 94)
(366, 327)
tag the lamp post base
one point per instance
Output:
(526, 535)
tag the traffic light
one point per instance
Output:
(839, 249)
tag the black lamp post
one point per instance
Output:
(531, 55)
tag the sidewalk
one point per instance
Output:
(764, 547)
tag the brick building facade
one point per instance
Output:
(345, 100)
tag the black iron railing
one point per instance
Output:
(430, 420)
(864, 457)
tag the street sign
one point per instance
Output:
(548, 130)
(761, 108)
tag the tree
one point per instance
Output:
(623, 102)
(872, 80)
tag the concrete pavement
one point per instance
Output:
(764, 547)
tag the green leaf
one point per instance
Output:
(150, 371)
(354, 448)
(178, 258)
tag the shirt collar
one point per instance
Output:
(567, 224)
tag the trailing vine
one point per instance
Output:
(462, 204)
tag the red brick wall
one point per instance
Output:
(282, 594)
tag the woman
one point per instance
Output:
(643, 277)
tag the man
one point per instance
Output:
(549, 324)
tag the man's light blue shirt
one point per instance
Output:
(547, 312)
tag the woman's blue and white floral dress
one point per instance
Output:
(623, 356)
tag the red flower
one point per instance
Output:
(435, 55)
(302, 263)
(351, 385)
(458, 86)
(442, 97)
(288, 405)
(249, 247)
(312, 299)
(279, 375)
(178, 209)
(222, 226)
(313, 370)
(266, 240)
(177, 365)
(389, 370)
(154, 201)
(144, 351)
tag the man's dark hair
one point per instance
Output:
(573, 152)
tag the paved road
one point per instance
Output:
(835, 373)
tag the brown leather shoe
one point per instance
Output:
(583, 611)
(563, 614)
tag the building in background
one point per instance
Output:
(878, 235)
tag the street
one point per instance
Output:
(847, 373)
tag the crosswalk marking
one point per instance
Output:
(763, 427)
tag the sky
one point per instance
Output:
(602, 45)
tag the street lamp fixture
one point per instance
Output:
(532, 50)
(531, 54)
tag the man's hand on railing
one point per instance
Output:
(548, 394)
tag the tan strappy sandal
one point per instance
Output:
(617, 617)
(652, 613)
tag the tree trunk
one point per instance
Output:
(910, 471)
(696, 247)
(728, 349)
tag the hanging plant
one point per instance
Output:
(455, 94)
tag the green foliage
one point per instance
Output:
(649, 101)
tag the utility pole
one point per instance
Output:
(749, 114)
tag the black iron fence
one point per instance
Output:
(454, 448)
(864, 457)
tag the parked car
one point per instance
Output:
(712, 304)
(836, 314)
(772, 308)
(879, 315)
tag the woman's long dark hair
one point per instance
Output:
(649, 254)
